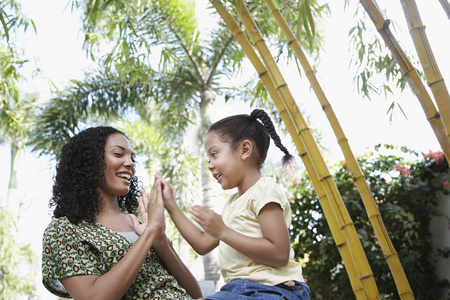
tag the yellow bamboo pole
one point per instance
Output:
(373, 213)
(410, 74)
(343, 218)
(428, 61)
(339, 238)
(446, 6)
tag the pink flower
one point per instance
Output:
(437, 156)
(402, 169)
(445, 183)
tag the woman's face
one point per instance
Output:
(119, 160)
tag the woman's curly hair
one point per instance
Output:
(79, 170)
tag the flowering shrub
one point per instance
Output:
(405, 189)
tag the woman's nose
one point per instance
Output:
(129, 163)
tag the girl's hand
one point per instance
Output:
(210, 221)
(167, 192)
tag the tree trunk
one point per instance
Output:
(211, 263)
(12, 199)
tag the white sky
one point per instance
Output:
(58, 45)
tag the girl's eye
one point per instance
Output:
(118, 154)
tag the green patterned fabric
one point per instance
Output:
(84, 249)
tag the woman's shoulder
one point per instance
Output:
(63, 225)
(58, 222)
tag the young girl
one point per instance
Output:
(255, 256)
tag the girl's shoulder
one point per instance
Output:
(268, 186)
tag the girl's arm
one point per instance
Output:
(272, 249)
(114, 283)
(199, 240)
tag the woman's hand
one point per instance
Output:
(139, 227)
(152, 210)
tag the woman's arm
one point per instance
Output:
(199, 240)
(167, 254)
(115, 283)
(176, 267)
(272, 249)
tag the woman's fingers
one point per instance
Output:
(155, 208)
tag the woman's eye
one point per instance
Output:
(118, 154)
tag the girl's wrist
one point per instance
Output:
(171, 206)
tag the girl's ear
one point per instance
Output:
(246, 149)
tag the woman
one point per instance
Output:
(93, 249)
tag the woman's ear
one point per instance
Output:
(246, 149)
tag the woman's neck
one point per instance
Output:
(109, 207)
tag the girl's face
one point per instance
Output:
(119, 160)
(224, 161)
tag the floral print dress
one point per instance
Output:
(92, 249)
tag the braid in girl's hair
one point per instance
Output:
(267, 122)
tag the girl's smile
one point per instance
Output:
(222, 161)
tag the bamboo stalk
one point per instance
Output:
(428, 61)
(342, 216)
(373, 213)
(339, 238)
(410, 74)
(446, 7)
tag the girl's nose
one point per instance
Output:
(210, 166)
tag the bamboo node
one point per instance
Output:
(281, 86)
(306, 128)
(325, 177)
(437, 115)
(323, 196)
(340, 245)
(437, 81)
(408, 71)
(366, 276)
(302, 154)
(386, 24)
(345, 225)
(325, 106)
(260, 75)
(356, 178)
(389, 255)
(418, 28)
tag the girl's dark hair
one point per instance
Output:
(79, 170)
(237, 128)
